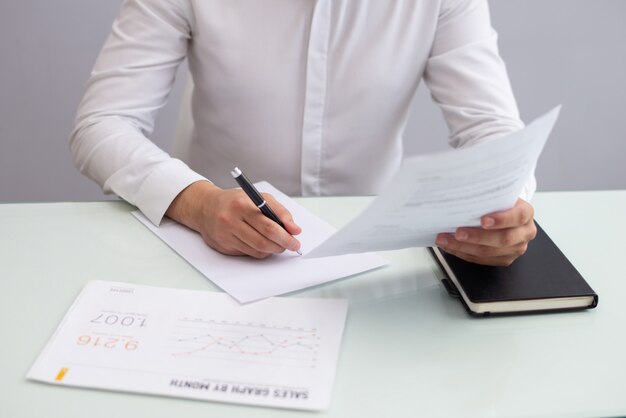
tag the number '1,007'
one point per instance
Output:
(123, 320)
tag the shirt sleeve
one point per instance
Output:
(468, 80)
(130, 82)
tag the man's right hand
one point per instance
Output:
(230, 223)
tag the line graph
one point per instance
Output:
(249, 342)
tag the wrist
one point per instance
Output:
(187, 207)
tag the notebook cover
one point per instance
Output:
(542, 272)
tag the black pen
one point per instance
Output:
(256, 197)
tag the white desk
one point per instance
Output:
(409, 350)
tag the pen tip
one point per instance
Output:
(298, 251)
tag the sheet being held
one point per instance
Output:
(440, 192)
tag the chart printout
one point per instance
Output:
(279, 352)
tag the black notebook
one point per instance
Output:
(541, 280)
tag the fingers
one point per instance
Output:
(237, 248)
(237, 237)
(231, 224)
(265, 235)
(283, 214)
(245, 249)
(520, 214)
(482, 254)
(501, 239)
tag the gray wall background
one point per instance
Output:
(571, 52)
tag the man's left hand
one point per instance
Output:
(500, 240)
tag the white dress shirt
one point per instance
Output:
(311, 95)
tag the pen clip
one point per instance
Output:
(248, 187)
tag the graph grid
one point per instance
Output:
(259, 343)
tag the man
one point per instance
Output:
(312, 95)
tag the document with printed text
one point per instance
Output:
(440, 192)
(279, 352)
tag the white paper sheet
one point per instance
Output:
(279, 352)
(440, 192)
(247, 279)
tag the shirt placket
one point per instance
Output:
(315, 99)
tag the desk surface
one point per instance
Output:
(408, 349)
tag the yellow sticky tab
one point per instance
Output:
(61, 374)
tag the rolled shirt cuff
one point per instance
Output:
(162, 186)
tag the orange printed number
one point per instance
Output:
(110, 342)
(131, 345)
